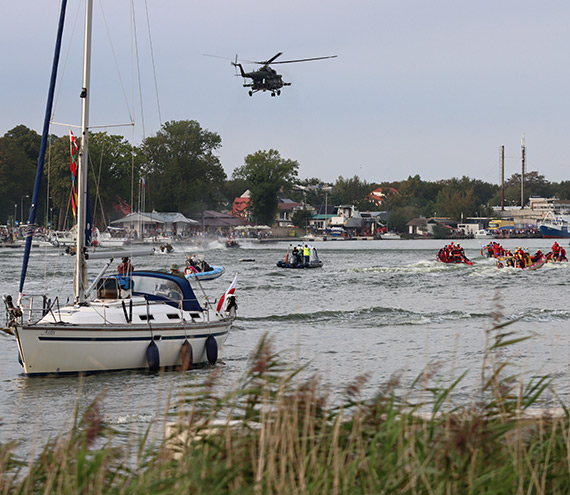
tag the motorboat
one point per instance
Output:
(484, 234)
(296, 259)
(513, 262)
(390, 236)
(135, 320)
(453, 254)
(232, 243)
(214, 271)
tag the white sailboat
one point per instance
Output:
(137, 320)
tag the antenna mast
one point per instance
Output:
(523, 158)
(503, 178)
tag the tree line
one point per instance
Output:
(182, 172)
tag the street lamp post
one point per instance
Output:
(326, 189)
(22, 206)
(15, 215)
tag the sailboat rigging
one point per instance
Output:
(135, 320)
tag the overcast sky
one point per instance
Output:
(428, 87)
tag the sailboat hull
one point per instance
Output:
(52, 349)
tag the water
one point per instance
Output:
(375, 307)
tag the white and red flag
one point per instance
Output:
(231, 290)
(73, 165)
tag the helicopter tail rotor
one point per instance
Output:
(235, 64)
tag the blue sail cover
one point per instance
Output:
(41, 158)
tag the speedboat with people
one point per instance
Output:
(301, 256)
(452, 253)
(199, 269)
(522, 259)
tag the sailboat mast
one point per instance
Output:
(80, 265)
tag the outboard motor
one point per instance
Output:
(231, 307)
(13, 314)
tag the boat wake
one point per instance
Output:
(369, 317)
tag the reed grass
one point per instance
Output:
(277, 433)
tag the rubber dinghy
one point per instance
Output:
(523, 260)
(298, 258)
(215, 272)
(453, 254)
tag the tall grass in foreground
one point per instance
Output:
(277, 434)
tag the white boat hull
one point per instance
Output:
(61, 350)
(98, 337)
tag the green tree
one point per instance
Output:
(562, 190)
(232, 189)
(400, 216)
(19, 150)
(113, 173)
(352, 191)
(266, 174)
(419, 194)
(182, 172)
(456, 204)
(535, 184)
(301, 218)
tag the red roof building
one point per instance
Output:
(377, 196)
(240, 206)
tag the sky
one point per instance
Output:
(433, 88)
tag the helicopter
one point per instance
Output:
(266, 78)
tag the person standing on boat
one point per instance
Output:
(125, 267)
(306, 254)
(555, 250)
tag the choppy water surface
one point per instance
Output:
(375, 307)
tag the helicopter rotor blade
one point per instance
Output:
(267, 62)
(304, 59)
(231, 59)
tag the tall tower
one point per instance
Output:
(523, 158)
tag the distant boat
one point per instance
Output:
(295, 258)
(484, 234)
(390, 236)
(555, 226)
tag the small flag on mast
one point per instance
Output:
(74, 152)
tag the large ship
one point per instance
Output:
(555, 226)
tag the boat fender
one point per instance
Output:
(211, 349)
(153, 356)
(125, 311)
(185, 356)
(20, 359)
